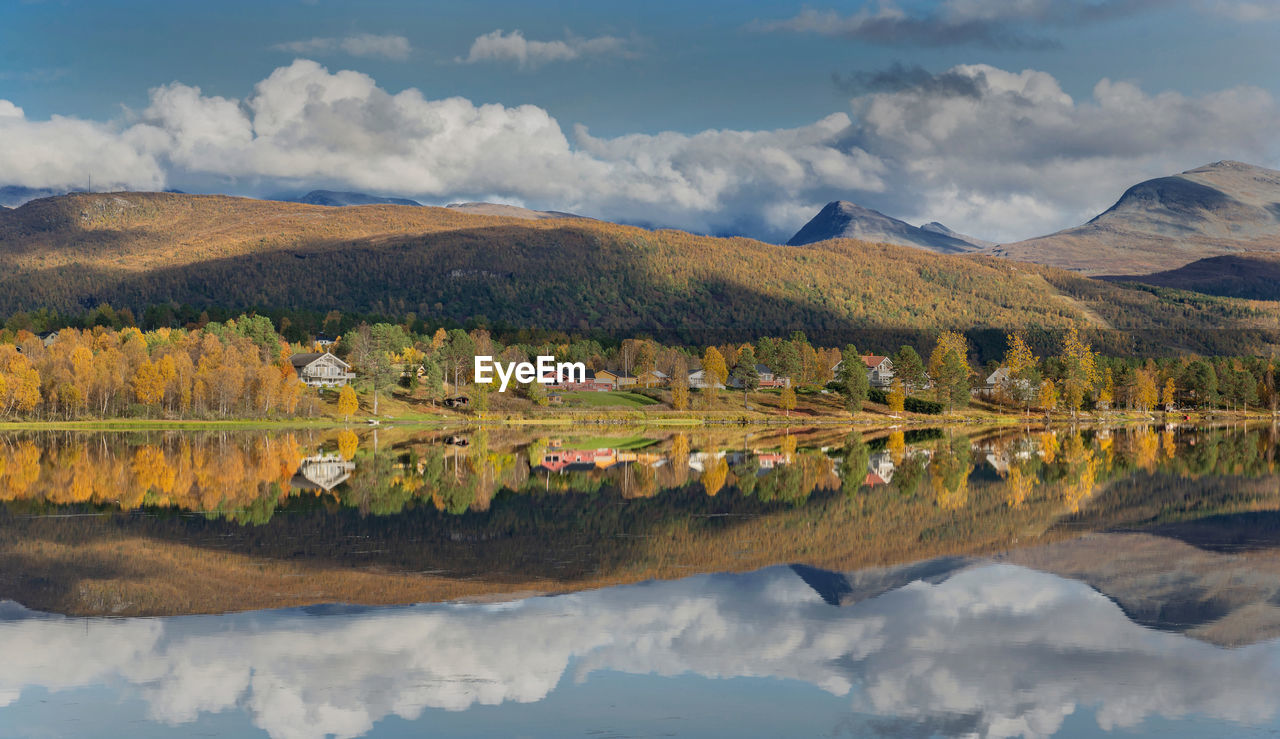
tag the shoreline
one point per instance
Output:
(870, 420)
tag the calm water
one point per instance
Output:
(1025, 582)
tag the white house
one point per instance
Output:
(321, 369)
(879, 370)
(701, 380)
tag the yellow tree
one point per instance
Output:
(1170, 394)
(1048, 397)
(714, 476)
(148, 383)
(1147, 395)
(348, 442)
(787, 400)
(1020, 364)
(1079, 369)
(1107, 394)
(714, 364)
(897, 396)
(348, 404)
(679, 394)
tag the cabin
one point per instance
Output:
(591, 381)
(321, 369)
(460, 401)
(555, 399)
(323, 342)
(653, 378)
(701, 380)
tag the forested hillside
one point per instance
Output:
(138, 249)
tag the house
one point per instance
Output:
(322, 472)
(615, 380)
(461, 401)
(653, 378)
(591, 380)
(323, 342)
(555, 399)
(321, 369)
(48, 337)
(766, 378)
(701, 380)
(879, 469)
(879, 370)
(1002, 381)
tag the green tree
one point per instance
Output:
(1199, 379)
(949, 369)
(852, 379)
(745, 374)
(908, 366)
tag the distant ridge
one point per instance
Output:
(1168, 222)
(339, 199)
(14, 195)
(842, 219)
(507, 211)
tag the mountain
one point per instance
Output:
(844, 220)
(73, 252)
(14, 195)
(1168, 222)
(938, 228)
(508, 211)
(1252, 276)
(335, 198)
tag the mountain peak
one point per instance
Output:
(841, 219)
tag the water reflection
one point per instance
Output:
(953, 648)
(247, 476)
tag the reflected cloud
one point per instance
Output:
(1002, 650)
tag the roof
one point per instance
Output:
(305, 358)
(873, 360)
(762, 369)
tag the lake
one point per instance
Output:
(638, 582)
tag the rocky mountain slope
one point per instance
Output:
(844, 220)
(1165, 223)
(335, 198)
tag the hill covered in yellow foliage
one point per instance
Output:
(137, 249)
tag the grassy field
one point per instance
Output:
(616, 399)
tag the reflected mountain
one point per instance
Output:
(993, 650)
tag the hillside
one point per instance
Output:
(1253, 276)
(138, 249)
(844, 220)
(334, 198)
(509, 211)
(1168, 222)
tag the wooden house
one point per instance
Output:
(321, 369)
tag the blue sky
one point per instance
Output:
(632, 73)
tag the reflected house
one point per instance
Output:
(879, 469)
(585, 460)
(702, 461)
(769, 460)
(322, 472)
(321, 369)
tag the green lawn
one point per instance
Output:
(614, 399)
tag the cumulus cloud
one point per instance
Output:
(498, 46)
(1001, 650)
(1023, 156)
(389, 46)
(999, 154)
(1243, 10)
(1002, 24)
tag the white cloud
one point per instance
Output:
(1018, 156)
(498, 46)
(992, 23)
(1013, 652)
(1245, 12)
(998, 154)
(387, 46)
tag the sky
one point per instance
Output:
(1004, 119)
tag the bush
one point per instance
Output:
(919, 405)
